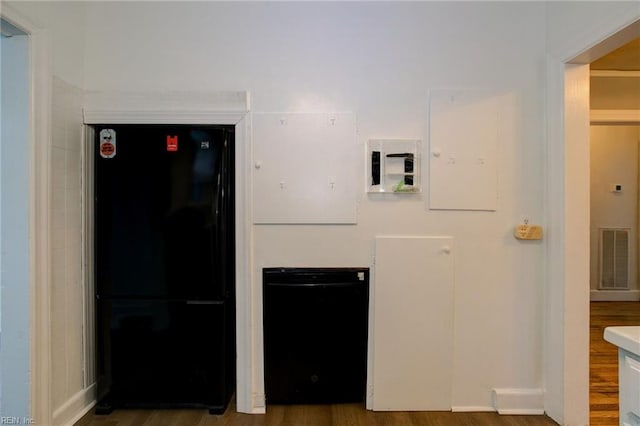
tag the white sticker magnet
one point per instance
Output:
(107, 143)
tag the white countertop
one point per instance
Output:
(627, 337)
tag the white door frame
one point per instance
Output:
(566, 349)
(39, 213)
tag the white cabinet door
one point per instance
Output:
(412, 323)
(464, 132)
(306, 168)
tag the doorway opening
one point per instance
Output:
(614, 153)
(614, 136)
(14, 221)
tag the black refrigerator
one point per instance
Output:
(164, 266)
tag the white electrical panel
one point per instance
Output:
(393, 166)
(463, 144)
(305, 168)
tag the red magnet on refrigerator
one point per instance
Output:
(172, 143)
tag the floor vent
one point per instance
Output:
(614, 259)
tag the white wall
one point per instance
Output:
(614, 160)
(378, 60)
(64, 22)
(575, 26)
(14, 225)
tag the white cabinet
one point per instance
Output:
(629, 388)
(412, 324)
(628, 341)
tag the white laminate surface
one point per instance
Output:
(624, 337)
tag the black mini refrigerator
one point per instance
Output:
(315, 335)
(164, 266)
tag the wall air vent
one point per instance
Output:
(614, 259)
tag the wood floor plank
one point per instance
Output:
(603, 359)
(309, 415)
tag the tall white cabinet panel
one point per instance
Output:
(463, 139)
(413, 323)
(305, 168)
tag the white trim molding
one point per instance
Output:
(511, 401)
(76, 407)
(88, 288)
(472, 409)
(615, 295)
(41, 399)
(226, 107)
(615, 116)
(249, 384)
(566, 322)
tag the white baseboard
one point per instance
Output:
(471, 409)
(615, 295)
(511, 401)
(76, 407)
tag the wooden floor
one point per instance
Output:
(308, 415)
(603, 397)
(603, 359)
